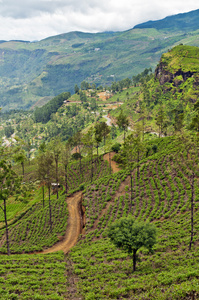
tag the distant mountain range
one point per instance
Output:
(33, 72)
(182, 22)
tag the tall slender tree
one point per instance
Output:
(65, 159)
(9, 182)
(189, 154)
(55, 146)
(97, 135)
(88, 140)
(122, 122)
(160, 119)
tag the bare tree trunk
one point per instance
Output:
(66, 180)
(92, 166)
(110, 161)
(6, 223)
(134, 260)
(143, 129)
(56, 162)
(50, 212)
(131, 190)
(192, 207)
(138, 167)
(43, 193)
(23, 172)
(193, 295)
(80, 164)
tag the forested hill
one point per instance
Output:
(33, 73)
(168, 99)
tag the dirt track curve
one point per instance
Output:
(74, 225)
(75, 220)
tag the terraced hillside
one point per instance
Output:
(95, 268)
(162, 195)
(33, 277)
(30, 225)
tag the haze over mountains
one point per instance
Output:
(32, 73)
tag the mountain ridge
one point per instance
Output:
(188, 21)
(30, 71)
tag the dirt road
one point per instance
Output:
(74, 226)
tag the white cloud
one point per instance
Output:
(34, 20)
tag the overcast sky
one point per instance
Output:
(38, 19)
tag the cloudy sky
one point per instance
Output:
(38, 19)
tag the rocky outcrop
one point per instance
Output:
(164, 76)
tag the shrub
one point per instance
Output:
(116, 147)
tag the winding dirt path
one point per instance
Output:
(75, 221)
(74, 226)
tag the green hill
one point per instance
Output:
(172, 91)
(31, 71)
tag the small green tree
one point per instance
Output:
(130, 235)
(9, 130)
(76, 89)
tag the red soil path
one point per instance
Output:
(74, 225)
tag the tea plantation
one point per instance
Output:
(95, 268)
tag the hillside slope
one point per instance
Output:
(171, 92)
(30, 71)
(162, 195)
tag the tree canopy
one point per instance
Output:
(130, 235)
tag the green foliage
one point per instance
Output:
(44, 113)
(33, 277)
(116, 147)
(9, 130)
(131, 236)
